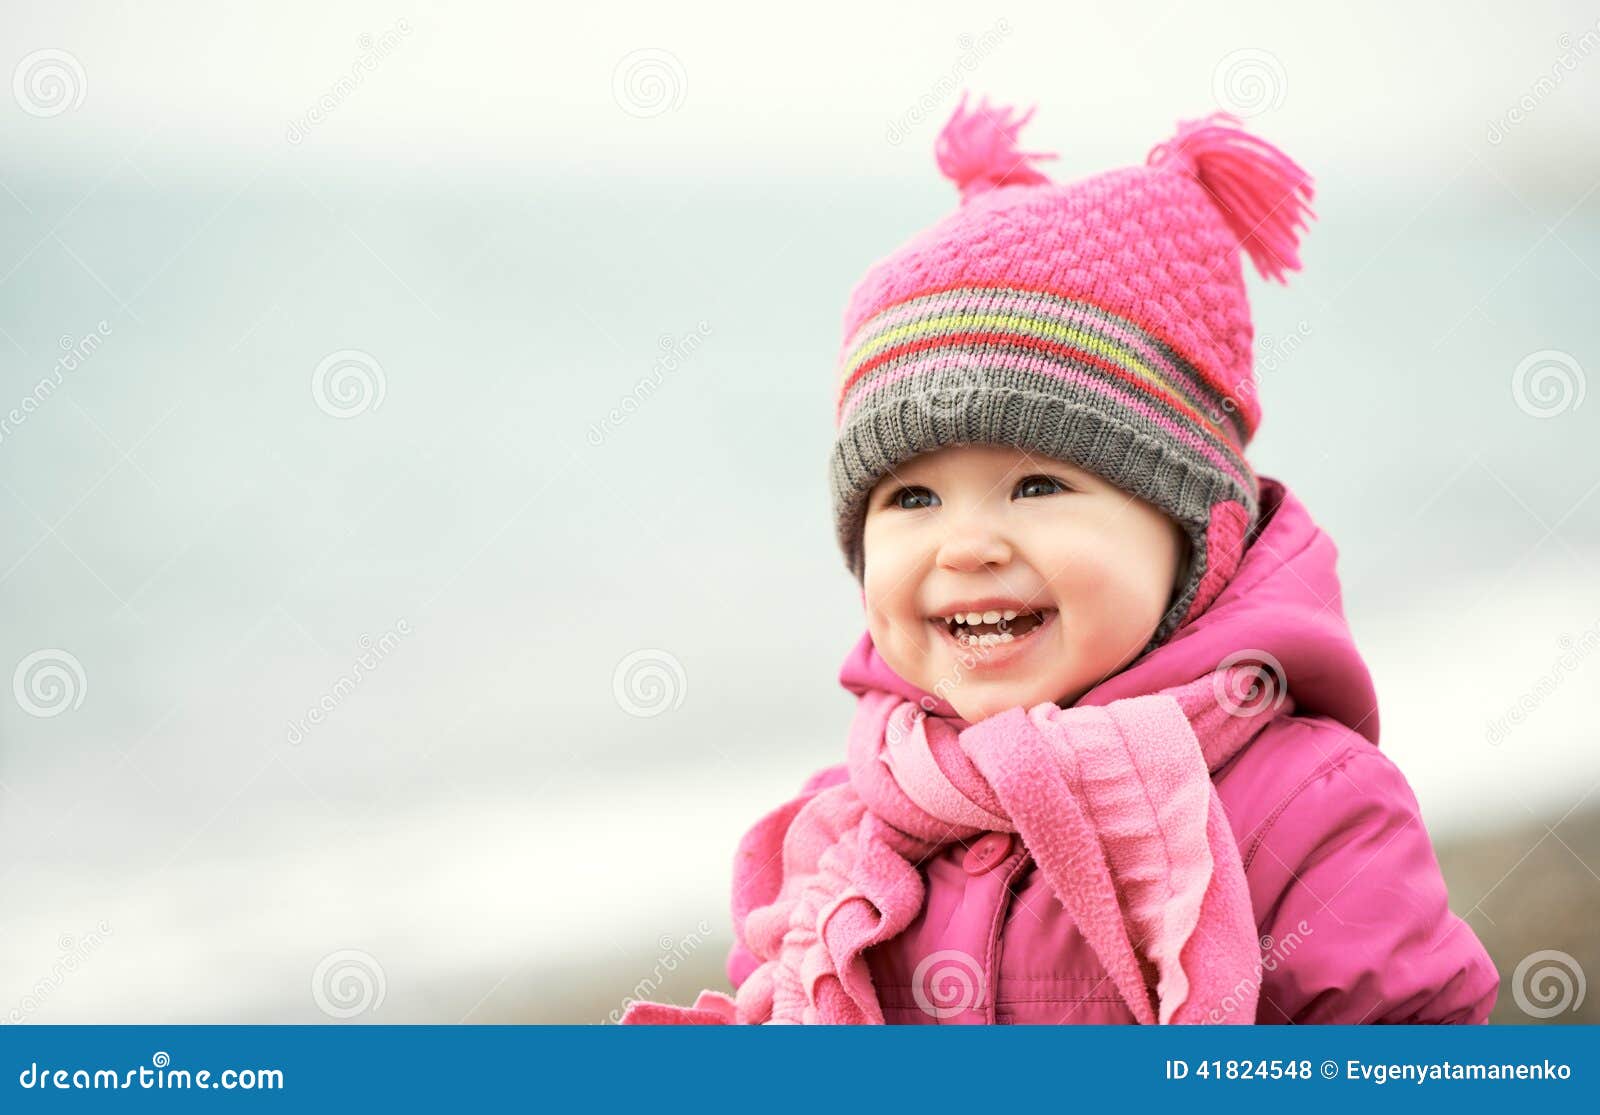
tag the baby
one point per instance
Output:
(1114, 756)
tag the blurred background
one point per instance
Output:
(415, 551)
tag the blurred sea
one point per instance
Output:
(479, 814)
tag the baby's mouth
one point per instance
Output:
(974, 629)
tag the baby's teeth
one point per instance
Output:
(991, 617)
(987, 640)
(1008, 614)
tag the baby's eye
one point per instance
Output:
(1039, 485)
(916, 493)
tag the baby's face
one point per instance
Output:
(1089, 570)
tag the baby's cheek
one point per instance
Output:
(1106, 601)
(1141, 570)
(885, 601)
(1086, 579)
(890, 617)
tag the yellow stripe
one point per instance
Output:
(1020, 324)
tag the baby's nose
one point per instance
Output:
(974, 546)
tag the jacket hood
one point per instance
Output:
(1283, 607)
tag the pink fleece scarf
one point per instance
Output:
(1114, 803)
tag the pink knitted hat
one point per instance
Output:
(1102, 322)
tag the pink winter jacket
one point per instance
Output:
(1348, 898)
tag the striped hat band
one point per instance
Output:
(959, 337)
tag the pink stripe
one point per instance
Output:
(1035, 305)
(1022, 364)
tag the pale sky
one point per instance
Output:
(1404, 92)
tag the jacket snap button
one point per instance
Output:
(985, 852)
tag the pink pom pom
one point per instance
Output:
(977, 150)
(1262, 193)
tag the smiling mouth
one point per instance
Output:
(979, 630)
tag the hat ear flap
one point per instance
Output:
(1224, 550)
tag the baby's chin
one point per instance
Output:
(976, 697)
(980, 700)
(978, 694)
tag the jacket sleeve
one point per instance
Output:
(1360, 929)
